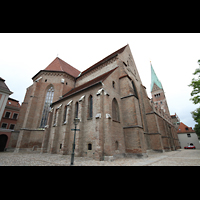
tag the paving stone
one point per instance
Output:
(174, 158)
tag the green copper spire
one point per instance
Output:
(154, 79)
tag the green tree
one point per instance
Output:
(195, 94)
(196, 117)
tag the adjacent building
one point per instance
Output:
(187, 136)
(4, 94)
(7, 124)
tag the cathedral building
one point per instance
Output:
(116, 116)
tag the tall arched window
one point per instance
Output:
(76, 110)
(46, 109)
(115, 110)
(90, 107)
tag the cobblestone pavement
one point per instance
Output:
(174, 158)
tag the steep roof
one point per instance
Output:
(88, 84)
(60, 65)
(154, 79)
(4, 87)
(184, 129)
(112, 55)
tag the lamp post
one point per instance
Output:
(76, 121)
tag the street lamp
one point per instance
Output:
(76, 121)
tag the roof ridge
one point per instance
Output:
(60, 63)
(115, 53)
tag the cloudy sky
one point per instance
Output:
(173, 56)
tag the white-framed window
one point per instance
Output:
(12, 126)
(4, 125)
(15, 115)
(7, 114)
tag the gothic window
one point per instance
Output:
(90, 107)
(134, 89)
(115, 110)
(55, 117)
(65, 114)
(76, 110)
(46, 109)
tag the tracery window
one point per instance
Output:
(115, 110)
(46, 109)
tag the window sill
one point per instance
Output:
(115, 121)
(90, 118)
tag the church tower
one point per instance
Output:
(157, 92)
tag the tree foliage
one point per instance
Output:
(196, 87)
(196, 117)
(195, 94)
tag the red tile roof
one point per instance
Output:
(59, 65)
(88, 84)
(184, 129)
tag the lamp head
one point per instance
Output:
(76, 121)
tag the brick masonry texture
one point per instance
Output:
(139, 127)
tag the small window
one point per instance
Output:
(66, 83)
(7, 115)
(161, 102)
(12, 126)
(4, 125)
(9, 102)
(113, 84)
(89, 146)
(186, 129)
(15, 116)
(45, 80)
(188, 135)
(116, 145)
(60, 146)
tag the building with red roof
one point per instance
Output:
(116, 116)
(187, 136)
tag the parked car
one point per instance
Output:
(190, 147)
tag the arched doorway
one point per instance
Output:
(3, 141)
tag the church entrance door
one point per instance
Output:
(3, 141)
